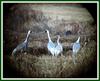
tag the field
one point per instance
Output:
(60, 19)
(40, 63)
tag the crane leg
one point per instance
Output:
(61, 54)
(73, 57)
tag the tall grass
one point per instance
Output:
(47, 66)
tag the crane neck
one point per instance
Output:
(27, 37)
(78, 40)
(58, 40)
(49, 36)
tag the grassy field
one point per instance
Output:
(47, 66)
(38, 62)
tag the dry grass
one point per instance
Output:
(46, 66)
(38, 62)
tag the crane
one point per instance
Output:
(23, 46)
(50, 45)
(75, 48)
(58, 48)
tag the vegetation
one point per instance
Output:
(38, 62)
(47, 66)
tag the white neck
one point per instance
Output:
(58, 40)
(48, 36)
(27, 36)
(78, 40)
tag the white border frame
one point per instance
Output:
(50, 2)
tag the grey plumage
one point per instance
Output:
(58, 47)
(50, 45)
(76, 47)
(54, 48)
(23, 46)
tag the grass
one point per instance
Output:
(38, 62)
(47, 66)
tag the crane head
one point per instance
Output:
(58, 36)
(29, 32)
(47, 31)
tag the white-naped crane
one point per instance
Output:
(23, 46)
(75, 48)
(59, 47)
(50, 45)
